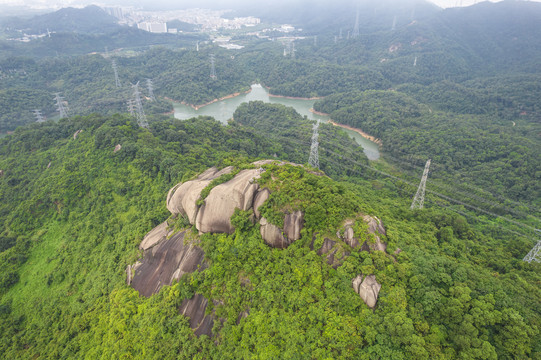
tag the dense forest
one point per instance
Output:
(75, 211)
(78, 195)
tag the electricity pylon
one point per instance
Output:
(115, 69)
(39, 117)
(535, 253)
(139, 112)
(61, 105)
(150, 88)
(313, 160)
(212, 67)
(419, 199)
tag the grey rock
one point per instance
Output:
(349, 236)
(117, 148)
(272, 234)
(368, 289)
(156, 235)
(214, 215)
(166, 262)
(293, 224)
(261, 196)
(194, 309)
(77, 134)
(375, 227)
(182, 198)
(327, 246)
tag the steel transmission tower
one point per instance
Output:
(61, 105)
(115, 69)
(419, 198)
(535, 253)
(150, 88)
(39, 117)
(212, 67)
(313, 160)
(356, 27)
(131, 107)
(139, 112)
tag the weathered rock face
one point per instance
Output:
(194, 309)
(241, 192)
(368, 289)
(165, 262)
(375, 227)
(261, 196)
(182, 198)
(272, 234)
(293, 224)
(349, 235)
(278, 238)
(159, 233)
(334, 257)
(214, 215)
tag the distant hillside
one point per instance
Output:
(91, 19)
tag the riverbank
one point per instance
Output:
(197, 107)
(360, 132)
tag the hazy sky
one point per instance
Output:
(65, 3)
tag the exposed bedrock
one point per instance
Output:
(375, 229)
(194, 309)
(282, 238)
(368, 289)
(238, 193)
(241, 192)
(164, 263)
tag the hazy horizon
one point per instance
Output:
(47, 4)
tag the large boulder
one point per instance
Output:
(293, 224)
(159, 233)
(238, 193)
(375, 227)
(182, 198)
(282, 238)
(349, 237)
(194, 309)
(164, 263)
(272, 234)
(368, 289)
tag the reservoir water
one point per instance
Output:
(223, 111)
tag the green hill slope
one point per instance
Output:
(74, 212)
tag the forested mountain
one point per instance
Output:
(91, 19)
(75, 211)
(198, 240)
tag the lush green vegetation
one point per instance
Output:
(69, 230)
(486, 150)
(461, 92)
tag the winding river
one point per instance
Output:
(223, 110)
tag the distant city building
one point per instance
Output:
(153, 27)
(172, 30)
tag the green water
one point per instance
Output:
(223, 111)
